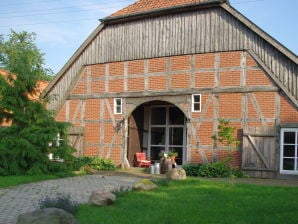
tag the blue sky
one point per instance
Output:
(62, 25)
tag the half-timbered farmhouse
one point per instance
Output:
(158, 74)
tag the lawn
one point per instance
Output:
(199, 201)
(8, 181)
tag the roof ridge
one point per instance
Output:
(143, 6)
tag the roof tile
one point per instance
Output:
(148, 5)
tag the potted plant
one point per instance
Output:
(163, 154)
(173, 156)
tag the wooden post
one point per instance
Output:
(124, 161)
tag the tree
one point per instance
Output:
(24, 145)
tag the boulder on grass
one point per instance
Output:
(46, 216)
(145, 185)
(176, 174)
(101, 198)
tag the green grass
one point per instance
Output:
(199, 201)
(9, 181)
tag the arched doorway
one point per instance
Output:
(154, 127)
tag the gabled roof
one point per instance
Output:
(148, 5)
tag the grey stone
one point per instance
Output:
(101, 198)
(145, 185)
(46, 216)
(176, 174)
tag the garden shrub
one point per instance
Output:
(56, 167)
(61, 201)
(79, 162)
(192, 169)
(88, 164)
(221, 168)
(217, 169)
(102, 164)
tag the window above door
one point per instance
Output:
(196, 102)
(118, 106)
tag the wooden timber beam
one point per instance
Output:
(232, 89)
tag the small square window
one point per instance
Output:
(118, 106)
(196, 103)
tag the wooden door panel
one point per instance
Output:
(259, 150)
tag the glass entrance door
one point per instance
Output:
(167, 132)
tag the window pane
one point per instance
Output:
(158, 115)
(176, 116)
(289, 150)
(289, 137)
(197, 107)
(118, 109)
(154, 153)
(197, 98)
(176, 136)
(158, 136)
(288, 164)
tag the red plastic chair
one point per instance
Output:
(141, 160)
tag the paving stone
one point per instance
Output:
(24, 198)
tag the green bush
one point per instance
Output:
(221, 168)
(92, 163)
(77, 163)
(102, 164)
(57, 167)
(217, 169)
(192, 169)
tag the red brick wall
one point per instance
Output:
(204, 60)
(196, 156)
(177, 72)
(288, 112)
(180, 81)
(180, 63)
(116, 68)
(204, 79)
(136, 84)
(157, 65)
(230, 59)
(158, 83)
(230, 105)
(229, 78)
(136, 67)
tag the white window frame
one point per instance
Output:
(118, 107)
(282, 131)
(193, 102)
